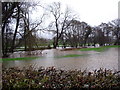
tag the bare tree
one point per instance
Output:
(8, 10)
(72, 33)
(61, 20)
(115, 24)
(17, 24)
(17, 13)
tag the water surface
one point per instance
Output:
(90, 60)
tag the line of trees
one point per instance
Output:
(70, 31)
(81, 34)
(18, 29)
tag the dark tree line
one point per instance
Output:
(81, 34)
(17, 29)
(7, 14)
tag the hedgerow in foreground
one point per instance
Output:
(29, 78)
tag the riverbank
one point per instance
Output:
(52, 78)
(89, 48)
(99, 49)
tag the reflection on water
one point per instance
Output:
(92, 60)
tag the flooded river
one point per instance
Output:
(89, 60)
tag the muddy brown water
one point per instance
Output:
(90, 60)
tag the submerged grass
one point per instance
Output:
(99, 49)
(21, 58)
(92, 49)
(71, 55)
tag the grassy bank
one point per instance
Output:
(99, 49)
(21, 58)
(52, 78)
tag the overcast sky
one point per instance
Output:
(92, 11)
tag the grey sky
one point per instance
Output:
(91, 11)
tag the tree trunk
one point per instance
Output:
(117, 42)
(14, 37)
(55, 44)
(3, 49)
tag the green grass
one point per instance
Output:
(92, 49)
(21, 58)
(99, 49)
(70, 55)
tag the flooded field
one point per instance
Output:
(89, 60)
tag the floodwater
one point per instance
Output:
(53, 57)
